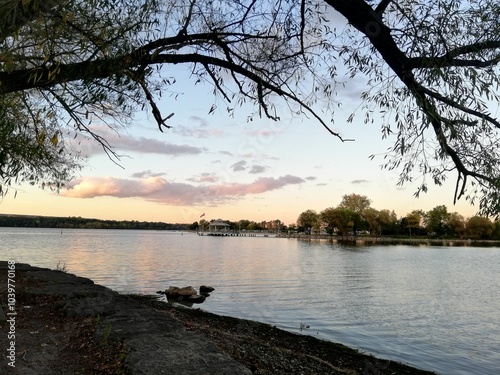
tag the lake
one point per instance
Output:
(436, 308)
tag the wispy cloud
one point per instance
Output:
(204, 177)
(256, 169)
(262, 133)
(160, 190)
(310, 178)
(253, 155)
(147, 173)
(356, 182)
(197, 128)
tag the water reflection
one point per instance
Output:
(433, 307)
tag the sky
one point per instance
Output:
(231, 168)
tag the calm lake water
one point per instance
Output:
(436, 308)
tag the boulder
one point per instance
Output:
(172, 291)
(195, 299)
(205, 289)
(187, 291)
(187, 294)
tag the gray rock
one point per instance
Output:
(206, 289)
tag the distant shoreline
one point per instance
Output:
(359, 240)
(375, 240)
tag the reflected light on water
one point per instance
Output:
(433, 307)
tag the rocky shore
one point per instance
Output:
(64, 324)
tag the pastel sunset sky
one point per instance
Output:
(232, 168)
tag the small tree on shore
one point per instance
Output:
(308, 221)
(479, 227)
(414, 221)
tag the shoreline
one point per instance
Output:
(382, 240)
(348, 360)
(63, 318)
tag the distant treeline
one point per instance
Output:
(79, 222)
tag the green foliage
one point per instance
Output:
(456, 224)
(340, 219)
(83, 223)
(30, 147)
(356, 203)
(387, 221)
(478, 227)
(436, 220)
(194, 226)
(373, 219)
(308, 221)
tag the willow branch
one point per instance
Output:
(450, 57)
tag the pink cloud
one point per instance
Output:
(158, 189)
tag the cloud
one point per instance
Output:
(311, 178)
(352, 89)
(360, 182)
(198, 128)
(201, 121)
(253, 155)
(143, 145)
(159, 190)
(147, 173)
(239, 166)
(204, 177)
(153, 146)
(262, 133)
(257, 169)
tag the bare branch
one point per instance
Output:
(183, 31)
(450, 58)
(302, 24)
(139, 78)
(216, 82)
(382, 6)
(107, 148)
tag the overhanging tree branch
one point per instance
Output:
(427, 63)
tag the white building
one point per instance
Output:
(218, 226)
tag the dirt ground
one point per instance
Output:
(50, 342)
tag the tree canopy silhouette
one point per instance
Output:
(431, 69)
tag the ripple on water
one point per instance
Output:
(432, 307)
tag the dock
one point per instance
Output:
(236, 234)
